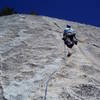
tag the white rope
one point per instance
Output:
(49, 78)
(46, 89)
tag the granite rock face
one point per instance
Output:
(31, 49)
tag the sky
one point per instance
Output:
(83, 11)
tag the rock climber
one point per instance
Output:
(69, 38)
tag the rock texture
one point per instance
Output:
(31, 49)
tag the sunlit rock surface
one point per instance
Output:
(31, 49)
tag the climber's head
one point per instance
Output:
(68, 26)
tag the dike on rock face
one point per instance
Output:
(32, 52)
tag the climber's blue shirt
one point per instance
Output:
(69, 31)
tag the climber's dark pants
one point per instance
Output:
(70, 40)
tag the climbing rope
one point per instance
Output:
(64, 43)
(65, 54)
(46, 89)
(49, 78)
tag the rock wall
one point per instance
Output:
(31, 49)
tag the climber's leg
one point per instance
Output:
(69, 52)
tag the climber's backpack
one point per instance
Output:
(69, 43)
(70, 40)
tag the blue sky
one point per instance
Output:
(84, 11)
